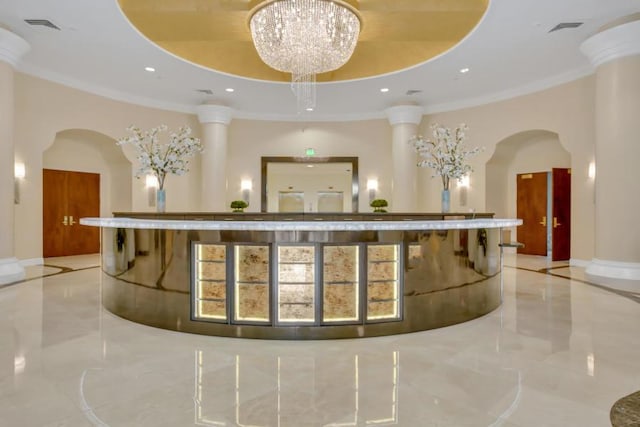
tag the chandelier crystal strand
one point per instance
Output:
(304, 38)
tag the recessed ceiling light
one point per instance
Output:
(150, 69)
(309, 166)
(229, 89)
(384, 90)
(310, 109)
(464, 70)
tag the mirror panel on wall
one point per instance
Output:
(309, 184)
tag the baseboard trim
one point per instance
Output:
(31, 262)
(10, 271)
(573, 262)
(614, 269)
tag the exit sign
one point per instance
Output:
(310, 152)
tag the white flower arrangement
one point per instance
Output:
(446, 153)
(161, 159)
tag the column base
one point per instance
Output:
(625, 275)
(10, 271)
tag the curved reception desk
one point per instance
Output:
(300, 278)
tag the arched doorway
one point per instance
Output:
(84, 174)
(520, 180)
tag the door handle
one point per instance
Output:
(544, 221)
(71, 221)
(65, 220)
(555, 222)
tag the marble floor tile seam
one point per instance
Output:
(547, 271)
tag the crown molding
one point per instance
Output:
(12, 47)
(411, 114)
(613, 43)
(209, 113)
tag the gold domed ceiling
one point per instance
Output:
(396, 34)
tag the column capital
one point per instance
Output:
(12, 47)
(209, 113)
(411, 114)
(613, 43)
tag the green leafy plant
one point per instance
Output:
(238, 205)
(378, 205)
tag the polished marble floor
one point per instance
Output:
(559, 352)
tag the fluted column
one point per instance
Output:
(615, 52)
(12, 48)
(404, 120)
(214, 120)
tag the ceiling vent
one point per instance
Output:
(42, 23)
(207, 91)
(413, 92)
(565, 25)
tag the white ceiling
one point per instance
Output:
(510, 53)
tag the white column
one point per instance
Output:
(12, 48)
(616, 54)
(404, 120)
(214, 120)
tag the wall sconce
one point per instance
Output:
(246, 185)
(372, 186)
(592, 170)
(151, 181)
(463, 185)
(19, 172)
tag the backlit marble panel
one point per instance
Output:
(340, 302)
(211, 252)
(340, 264)
(382, 252)
(382, 270)
(296, 273)
(381, 309)
(296, 253)
(296, 312)
(212, 271)
(296, 293)
(212, 290)
(382, 290)
(252, 263)
(212, 309)
(252, 302)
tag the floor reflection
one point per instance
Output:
(261, 391)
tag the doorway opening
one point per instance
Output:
(535, 164)
(84, 174)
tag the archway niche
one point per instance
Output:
(83, 150)
(524, 152)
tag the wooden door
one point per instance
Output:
(532, 209)
(561, 221)
(67, 197)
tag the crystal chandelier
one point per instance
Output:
(304, 38)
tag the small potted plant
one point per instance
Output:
(379, 205)
(238, 205)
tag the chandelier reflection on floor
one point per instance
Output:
(305, 38)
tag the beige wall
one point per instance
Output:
(568, 111)
(86, 151)
(43, 109)
(367, 140)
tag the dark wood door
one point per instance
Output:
(532, 209)
(67, 197)
(561, 221)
